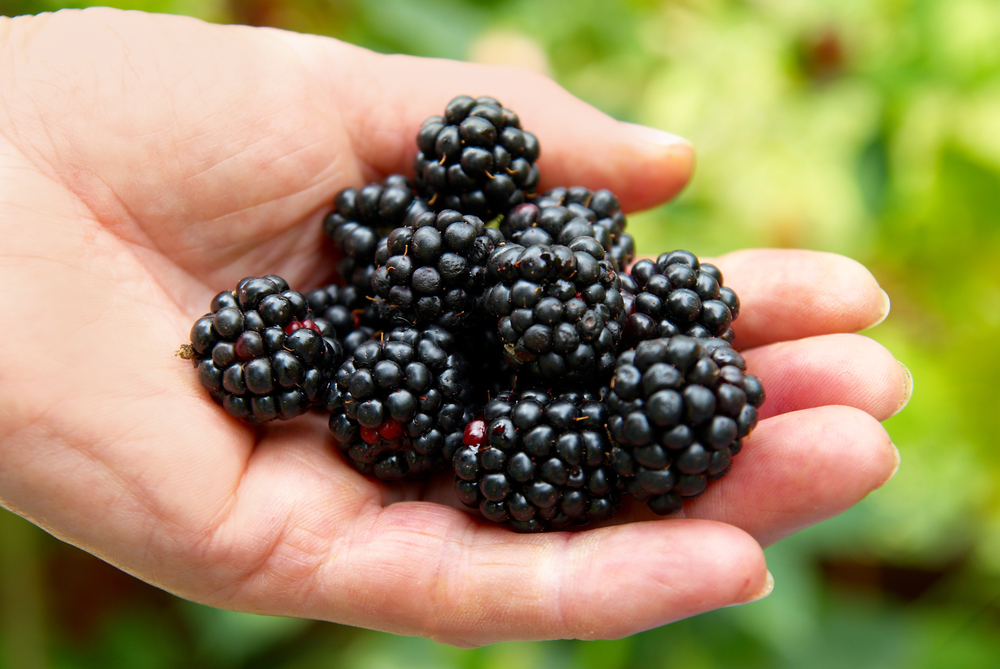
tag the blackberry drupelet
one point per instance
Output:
(538, 461)
(680, 408)
(679, 295)
(559, 308)
(476, 158)
(261, 354)
(629, 290)
(354, 317)
(400, 403)
(363, 216)
(562, 214)
(433, 272)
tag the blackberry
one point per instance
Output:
(677, 294)
(433, 272)
(261, 354)
(400, 403)
(488, 370)
(363, 216)
(538, 461)
(680, 408)
(560, 309)
(476, 158)
(562, 214)
(354, 317)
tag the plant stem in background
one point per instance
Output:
(22, 611)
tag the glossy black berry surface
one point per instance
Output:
(679, 295)
(559, 309)
(364, 216)
(561, 215)
(354, 316)
(475, 158)
(433, 272)
(262, 354)
(540, 462)
(400, 403)
(680, 409)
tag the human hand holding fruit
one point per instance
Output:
(150, 160)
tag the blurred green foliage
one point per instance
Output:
(868, 128)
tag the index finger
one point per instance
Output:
(384, 99)
(790, 294)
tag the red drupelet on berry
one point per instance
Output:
(400, 403)
(354, 317)
(261, 353)
(561, 215)
(538, 462)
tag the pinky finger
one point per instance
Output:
(798, 469)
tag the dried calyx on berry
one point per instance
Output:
(561, 215)
(261, 353)
(559, 308)
(680, 409)
(538, 461)
(476, 158)
(400, 403)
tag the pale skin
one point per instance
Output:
(147, 162)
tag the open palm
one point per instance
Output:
(147, 162)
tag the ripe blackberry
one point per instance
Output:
(538, 461)
(559, 308)
(680, 408)
(679, 295)
(354, 317)
(363, 216)
(260, 352)
(476, 158)
(562, 214)
(435, 271)
(488, 369)
(400, 403)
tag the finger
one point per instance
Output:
(798, 469)
(384, 99)
(304, 537)
(469, 585)
(791, 294)
(844, 369)
(233, 164)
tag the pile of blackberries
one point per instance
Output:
(480, 327)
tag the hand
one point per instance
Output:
(151, 161)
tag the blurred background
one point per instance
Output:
(865, 127)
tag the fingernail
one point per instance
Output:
(657, 136)
(894, 469)
(907, 389)
(886, 307)
(760, 594)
